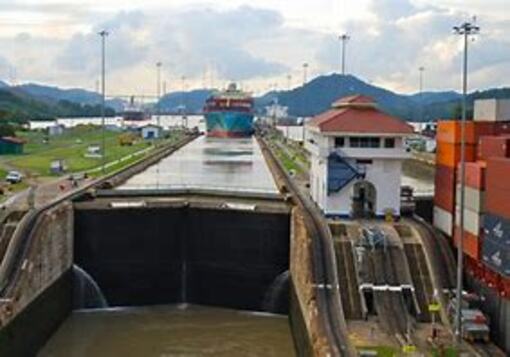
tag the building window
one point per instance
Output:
(389, 143)
(339, 142)
(365, 142)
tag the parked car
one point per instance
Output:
(14, 177)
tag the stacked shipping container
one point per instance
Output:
(447, 158)
(496, 247)
(486, 243)
(487, 192)
(474, 192)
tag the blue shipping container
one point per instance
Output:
(497, 229)
(496, 244)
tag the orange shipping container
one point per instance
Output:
(471, 244)
(449, 131)
(475, 174)
(449, 154)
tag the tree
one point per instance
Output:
(7, 130)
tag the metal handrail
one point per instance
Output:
(324, 267)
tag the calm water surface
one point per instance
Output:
(171, 331)
(210, 163)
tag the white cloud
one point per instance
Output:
(56, 41)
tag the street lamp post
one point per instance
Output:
(103, 35)
(158, 69)
(466, 30)
(305, 73)
(344, 38)
(421, 69)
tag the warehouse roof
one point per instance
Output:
(12, 139)
(359, 114)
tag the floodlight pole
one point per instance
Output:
(158, 71)
(305, 73)
(421, 69)
(344, 38)
(103, 35)
(466, 30)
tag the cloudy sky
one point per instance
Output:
(258, 43)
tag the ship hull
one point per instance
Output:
(225, 124)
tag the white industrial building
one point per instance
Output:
(356, 159)
(151, 131)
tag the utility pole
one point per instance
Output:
(465, 30)
(344, 38)
(289, 81)
(305, 73)
(103, 35)
(184, 117)
(158, 71)
(421, 69)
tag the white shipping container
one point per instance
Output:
(472, 220)
(443, 220)
(492, 110)
(473, 199)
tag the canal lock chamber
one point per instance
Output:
(185, 253)
(214, 253)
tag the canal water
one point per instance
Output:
(171, 331)
(181, 331)
(210, 163)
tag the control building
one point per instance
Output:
(356, 159)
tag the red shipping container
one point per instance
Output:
(484, 128)
(475, 174)
(491, 278)
(497, 201)
(505, 286)
(444, 196)
(472, 243)
(502, 128)
(493, 146)
(498, 173)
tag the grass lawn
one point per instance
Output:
(382, 351)
(419, 169)
(287, 162)
(71, 147)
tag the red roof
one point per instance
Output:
(12, 139)
(359, 114)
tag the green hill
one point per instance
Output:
(19, 108)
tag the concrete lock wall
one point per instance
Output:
(42, 296)
(307, 329)
(218, 257)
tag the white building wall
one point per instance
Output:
(318, 181)
(385, 175)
